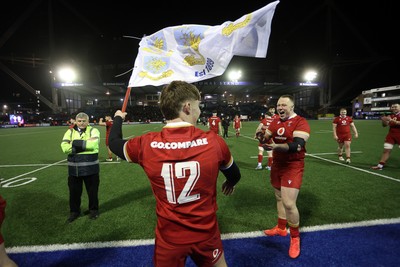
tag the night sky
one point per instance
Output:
(354, 41)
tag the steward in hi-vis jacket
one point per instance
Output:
(81, 143)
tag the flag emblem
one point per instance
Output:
(197, 52)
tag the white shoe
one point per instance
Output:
(348, 161)
(118, 159)
(341, 158)
(259, 167)
(268, 168)
(109, 159)
(377, 167)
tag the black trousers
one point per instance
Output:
(75, 185)
(225, 132)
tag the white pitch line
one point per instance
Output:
(30, 165)
(355, 168)
(228, 236)
(53, 164)
(44, 167)
(334, 153)
(323, 131)
(339, 163)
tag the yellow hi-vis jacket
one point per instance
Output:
(83, 151)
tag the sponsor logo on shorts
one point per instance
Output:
(216, 254)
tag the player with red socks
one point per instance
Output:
(288, 136)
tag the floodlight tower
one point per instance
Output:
(65, 76)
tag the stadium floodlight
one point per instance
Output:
(67, 74)
(235, 75)
(310, 75)
(5, 109)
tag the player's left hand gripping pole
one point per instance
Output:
(127, 94)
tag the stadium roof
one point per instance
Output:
(349, 49)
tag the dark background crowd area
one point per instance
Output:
(142, 114)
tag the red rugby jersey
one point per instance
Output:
(214, 121)
(342, 125)
(182, 163)
(282, 132)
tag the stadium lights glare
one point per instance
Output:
(235, 75)
(309, 76)
(67, 75)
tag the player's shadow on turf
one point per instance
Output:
(126, 199)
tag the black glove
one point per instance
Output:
(78, 146)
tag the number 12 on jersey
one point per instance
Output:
(172, 171)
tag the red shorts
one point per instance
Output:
(205, 253)
(392, 139)
(344, 137)
(287, 174)
(2, 215)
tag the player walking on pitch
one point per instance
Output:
(342, 134)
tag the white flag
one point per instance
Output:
(193, 53)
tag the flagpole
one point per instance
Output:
(127, 94)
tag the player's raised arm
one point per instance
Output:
(115, 140)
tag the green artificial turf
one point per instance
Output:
(33, 172)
